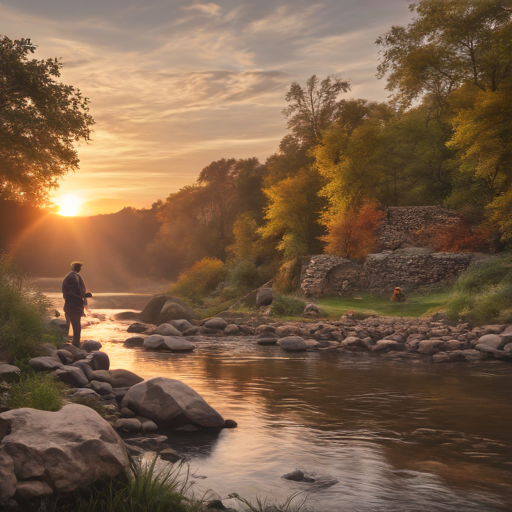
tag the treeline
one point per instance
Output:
(443, 138)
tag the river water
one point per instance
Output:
(352, 418)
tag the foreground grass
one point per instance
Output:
(144, 488)
(37, 391)
(416, 304)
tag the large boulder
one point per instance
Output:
(66, 450)
(177, 344)
(154, 342)
(171, 404)
(99, 360)
(491, 340)
(264, 297)
(216, 323)
(45, 363)
(124, 378)
(134, 341)
(72, 375)
(163, 308)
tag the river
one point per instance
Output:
(353, 418)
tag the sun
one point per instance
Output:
(69, 205)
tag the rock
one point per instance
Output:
(456, 356)
(86, 369)
(452, 345)
(99, 360)
(102, 388)
(170, 404)
(7, 477)
(231, 330)
(441, 357)
(129, 425)
(487, 349)
(44, 363)
(352, 343)
(91, 345)
(473, 355)
(395, 337)
(9, 373)
(292, 344)
(286, 330)
(387, 346)
(230, 424)
(167, 330)
(74, 351)
(192, 331)
(154, 342)
(267, 341)
(264, 328)
(169, 454)
(312, 343)
(126, 413)
(124, 378)
(65, 356)
(26, 491)
(139, 327)
(493, 329)
(430, 347)
(264, 297)
(119, 393)
(182, 325)
(126, 315)
(86, 392)
(67, 450)
(297, 476)
(174, 344)
(134, 341)
(491, 340)
(437, 333)
(45, 349)
(268, 334)
(164, 308)
(103, 376)
(216, 323)
(508, 348)
(148, 426)
(311, 310)
(72, 376)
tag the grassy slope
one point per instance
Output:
(415, 305)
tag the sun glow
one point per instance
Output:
(69, 205)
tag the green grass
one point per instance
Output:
(416, 304)
(41, 392)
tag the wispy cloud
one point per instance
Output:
(175, 85)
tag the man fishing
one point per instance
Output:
(75, 299)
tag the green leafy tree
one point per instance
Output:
(40, 121)
(448, 43)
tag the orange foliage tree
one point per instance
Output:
(351, 234)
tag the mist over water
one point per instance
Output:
(350, 417)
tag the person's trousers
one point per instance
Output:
(74, 314)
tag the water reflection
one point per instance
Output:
(352, 417)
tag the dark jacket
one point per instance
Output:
(73, 289)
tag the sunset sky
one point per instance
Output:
(176, 84)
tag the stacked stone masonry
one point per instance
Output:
(402, 263)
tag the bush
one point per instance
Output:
(483, 293)
(288, 276)
(200, 279)
(283, 305)
(22, 311)
(37, 392)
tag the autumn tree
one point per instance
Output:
(41, 119)
(448, 43)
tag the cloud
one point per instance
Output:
(209, 9)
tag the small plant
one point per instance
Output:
(483, 293)
(37, 392)
(200, 279)
(284, 305)
(293, 503)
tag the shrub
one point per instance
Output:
(37, 392)
(200, 279)
(352, 233)
(288, 276)
(283, 305)
(22, 325)
(483, 293)
(460, 237)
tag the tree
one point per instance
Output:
(449, 43)
(40, 120)
(313, 107)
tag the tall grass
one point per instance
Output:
(37, 392)
(483, 293)
(22, 309)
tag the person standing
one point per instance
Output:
(75, 299)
